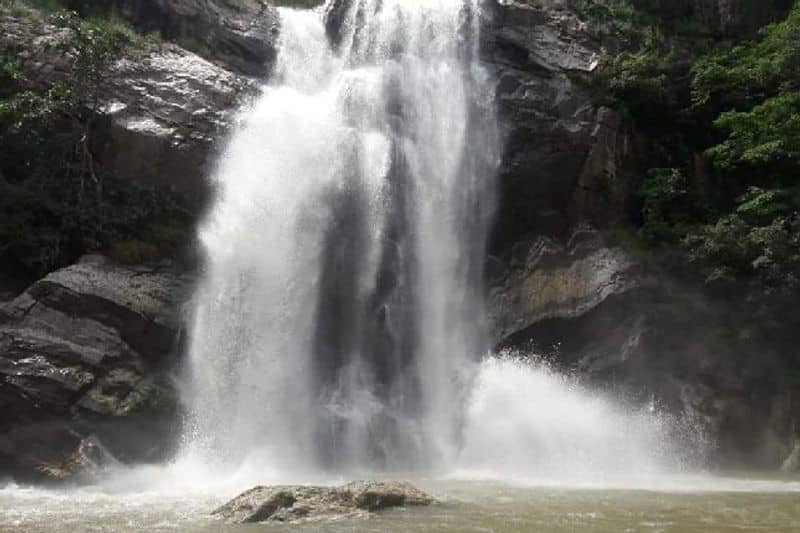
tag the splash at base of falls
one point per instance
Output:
(528, 423)
(524, 424)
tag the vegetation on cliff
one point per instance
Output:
(56, 200)
(721, 191)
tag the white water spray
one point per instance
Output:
(529, 424)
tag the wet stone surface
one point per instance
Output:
(292, 503)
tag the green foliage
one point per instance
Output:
(759, 242)
(752, 93)
(614, 18)
(642, 80)
(735, 224)
(56, 200)
(765, 138)
(669, 206)
(746, 74)
(32, 8)
(649, 76)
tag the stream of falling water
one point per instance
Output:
(341, 315)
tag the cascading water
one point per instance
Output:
(340, 321)
(341, 307)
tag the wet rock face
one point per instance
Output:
(289, 504)
(594, 310)
(548, 280)
(559, 148)
(165, 113)
(569, 295)
(163, 110)
(86, 351)
(792, 462)
(240, 35)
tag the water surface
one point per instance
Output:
(678, 504)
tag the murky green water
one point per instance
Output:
(685, 505)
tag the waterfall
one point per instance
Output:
(339, 327)
(340, 316)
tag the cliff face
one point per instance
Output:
(566, 160)
(163, 109)
(239, 35)
(85, 354)
(565, 284)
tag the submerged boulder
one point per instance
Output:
(291, 503)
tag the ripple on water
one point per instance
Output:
(712, 504)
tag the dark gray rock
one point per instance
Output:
(726, 17)
(566, 293)
(239, 35)
(165, 114)
(335, 14)
(84, 465)
(163, 109)
(548, 280)
(289, 504)
(792, 462)
(87, 351)
(566, 161)
(596, 311)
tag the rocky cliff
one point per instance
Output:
(239, 35)
(164, 110)
(566, 283)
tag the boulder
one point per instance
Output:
(292, 503)
(165, 113)
(84, 465)
(239, 35)
(87, 352)
(162, 109)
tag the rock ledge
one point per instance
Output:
(292, 503)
